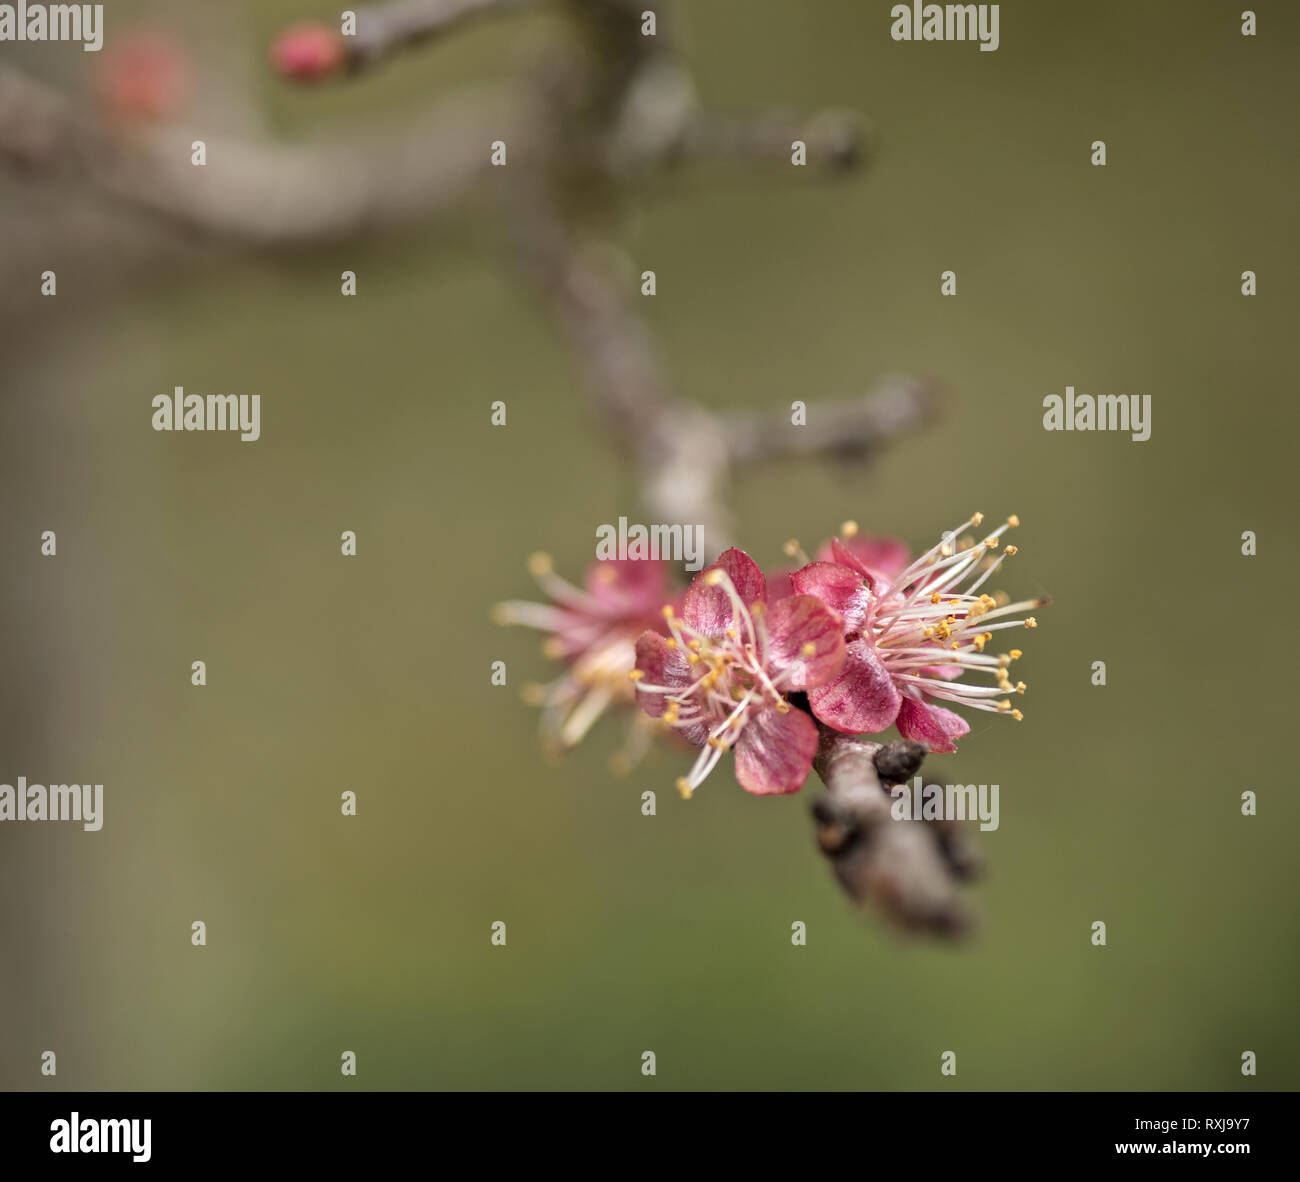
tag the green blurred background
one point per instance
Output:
(672, 934)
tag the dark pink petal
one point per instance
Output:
(774, 753)
(793, 623)
(932, 725)
(863, 699)
(663, 665)
(708, 609)
(884, 555)
(628, 586)
(840, 589)
(841, 555)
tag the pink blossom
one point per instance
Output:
(912, 630)
(722, 675)
(308, 52)
(593, 629)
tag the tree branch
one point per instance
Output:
(258, 193)
(383, 30)
(901, 866)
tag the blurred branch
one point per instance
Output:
(854, 429)
(834, 139)
(905, 867)
(384, 29)
(255, 192)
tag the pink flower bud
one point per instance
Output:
(308, 52)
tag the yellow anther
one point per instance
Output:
(693, 658)
(637, 674)
(684, 787)
(715, 743)
(783, 707)
(1005, 704)
(667, 611)
(1012, 549)
(791, 548)
(849, 529)
(540, 564)
(1016, 654)
(1013, 521)
(758, 608)
(937, 598)
(808, 649)
(978, 642)
(714, 577)
(955, 644)
(946, 549)
(694, 646)
(1031, 623)
(1018, 715)
(991, 543)
(1021, 687)
(670, 643)
(977, 519)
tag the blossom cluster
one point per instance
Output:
(861, 638)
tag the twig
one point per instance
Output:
(901, 866)
(854, 430)
(383, 30)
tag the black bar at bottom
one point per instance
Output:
(930, 1131)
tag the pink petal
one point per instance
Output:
(794, 622)
(708, 609)
(863, 699)
(840, 589)
(774, 753)
(665, 665)
(884, 555)
(628, 586)
(932, 725)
